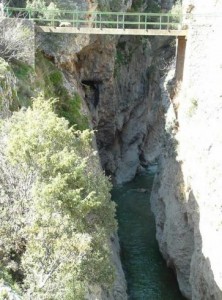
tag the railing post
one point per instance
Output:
(93, 19)
(73, 19)
(77, 20)
(96, 16)
(160, 22)
(168, 18)
(53, 19)
(117, 20)
(100, 20)
(123, 21)
(139, 22)
(181, 51)
(145, 22)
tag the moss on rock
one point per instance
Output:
(51, 80)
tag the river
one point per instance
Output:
(146, 273)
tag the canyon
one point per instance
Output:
(142, 115)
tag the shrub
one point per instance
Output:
(56, 77)
(177, 8)
(16, 40)
(176, 12)
(42, 9)
(58, 217)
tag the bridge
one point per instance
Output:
(112, 23)
(96, 22)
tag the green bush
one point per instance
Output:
(58, 217)
(25, 90)
(56, 78)
(150, 6)
(22, 70)
(70, 108)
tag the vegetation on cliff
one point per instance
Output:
(56, 214)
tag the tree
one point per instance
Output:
(43, 10)
(61, 196)
(36, 4)
(16, 39)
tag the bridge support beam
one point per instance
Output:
(181, 50)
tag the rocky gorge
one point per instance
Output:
(141, 115)
(118, 77)
(119, 80)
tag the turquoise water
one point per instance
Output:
(146, 273)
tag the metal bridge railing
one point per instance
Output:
(96, 19)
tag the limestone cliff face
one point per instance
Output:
(186, 196)
(137, 117)
(121, 85)
(119, 80)
(119, 290)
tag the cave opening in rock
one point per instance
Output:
(92, 92)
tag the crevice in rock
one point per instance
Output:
(92, 92)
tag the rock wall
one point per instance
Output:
(121, 84)
(119, 80)
(186, 197)
(119, 290)
(138, 116)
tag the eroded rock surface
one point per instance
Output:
(186, 197)
(119, 80)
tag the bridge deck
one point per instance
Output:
(94, 22)
(111, 31)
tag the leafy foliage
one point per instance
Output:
(150, 6)
(57, 219)
(16, 40)
(36, 4)
(24, 83)
(44, 11)
(48, 79)
(177, 8)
